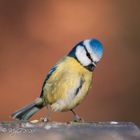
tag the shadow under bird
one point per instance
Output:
(68, 82)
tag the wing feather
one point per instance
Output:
(48, 76)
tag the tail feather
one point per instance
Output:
(27, 112)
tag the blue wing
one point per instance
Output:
(48, 76)
(51, 72)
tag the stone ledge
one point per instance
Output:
(71, 131)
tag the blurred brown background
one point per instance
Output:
(35, 34)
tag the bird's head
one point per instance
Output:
(88, 53)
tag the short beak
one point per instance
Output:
(94, 63)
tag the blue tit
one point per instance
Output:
(68, 82)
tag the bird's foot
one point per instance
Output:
(45, 119)
(77, 118)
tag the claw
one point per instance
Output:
(77, 118)
(44, 119)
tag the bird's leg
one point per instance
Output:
(77, 118)
(46, 118)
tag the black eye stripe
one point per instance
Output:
(88, 54)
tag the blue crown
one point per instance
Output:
(96, 47)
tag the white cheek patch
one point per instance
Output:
(94, 56)
(81, 56)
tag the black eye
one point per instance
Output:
(87, 53)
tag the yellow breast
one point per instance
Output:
(60, 88)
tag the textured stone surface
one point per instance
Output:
(70, 131)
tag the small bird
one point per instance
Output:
(68, 82)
